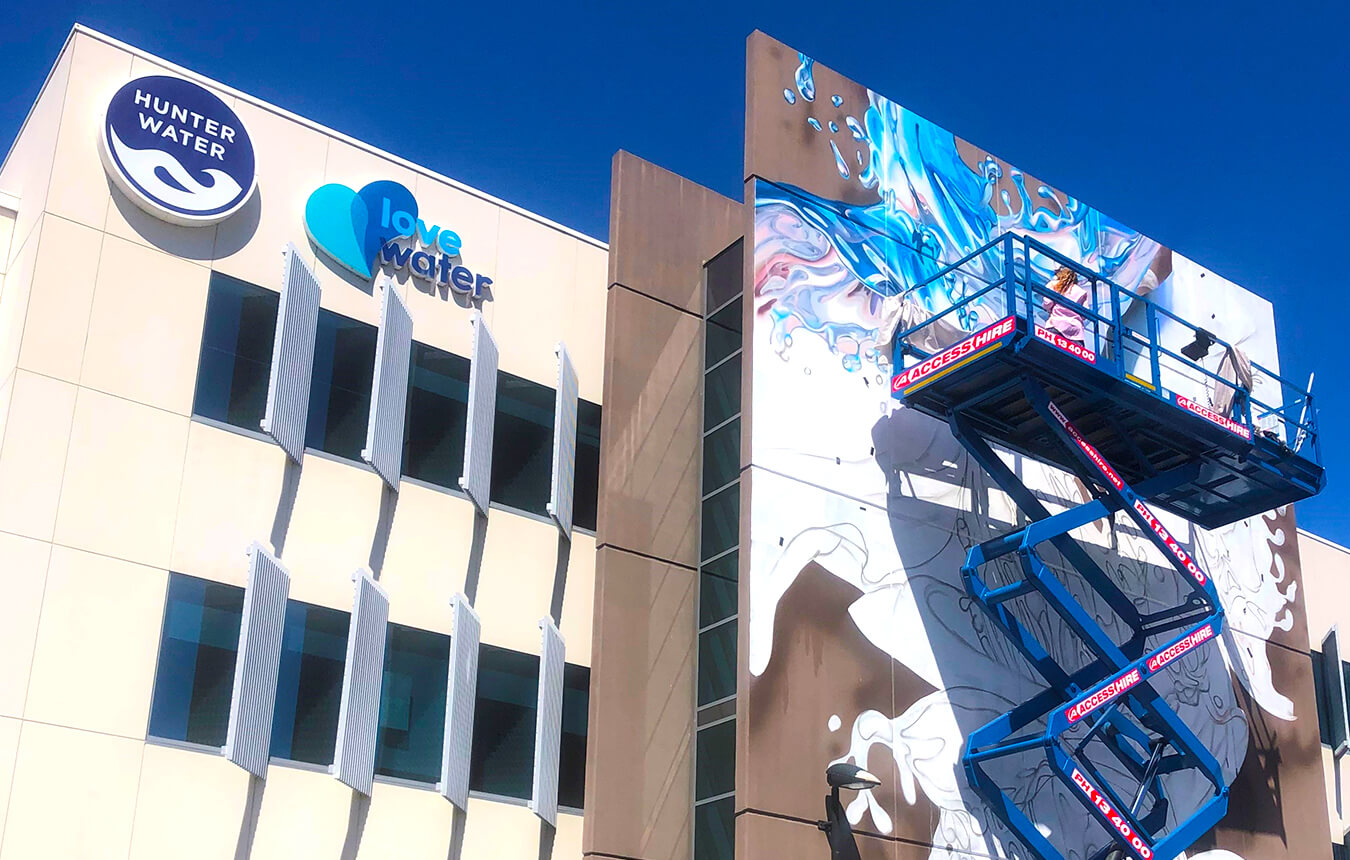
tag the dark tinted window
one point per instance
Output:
(309, 684)
(715, 760)
(503, 722)
(339, 396)
(715, 829)
(722, 456)
(717, 663)
(412, 704)
(438, 407)
(724, 276)
(721, 521)
(721, 393)
(716, 597)
(723, 333)
(572, 760)
(587, 488)
(1320, 690)
(522, 444)
(236, 355)
(197, 648)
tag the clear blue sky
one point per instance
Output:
(1218, 128)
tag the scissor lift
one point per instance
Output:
(1100, 407)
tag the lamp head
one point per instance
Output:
(850, 776)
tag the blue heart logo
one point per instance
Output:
(351, 226)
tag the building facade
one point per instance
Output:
(297, 487)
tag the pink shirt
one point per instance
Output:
(1064, 319)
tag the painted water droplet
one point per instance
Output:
(837, 99)
(806, 81)
(833, 127)
(855, 127)
(839, 161)
(859, 154)
(834, 722)
(813, 122)
(851, 362)
(790, 97)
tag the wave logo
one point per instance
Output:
(380, 223)
(177, 151)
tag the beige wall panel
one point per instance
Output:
(440, 318)
(639, 757)
(501, 830)
(124, 466)
(303, 814)
(407, 823)
(662, 228)
(1326, 584)
(9, 748)
(578, 609)
(73, 795)
(567, 841)
(80, 189)
(23, 575)
(145, 329)
(536, 271)
(60, 299)
(28, 167)
(651, 428)
(33, 455)
(290, 159)
(428, 556)
(515, 585)
(354, 168)
(337, 508)
(188, 802)
(584, 325)
(128, 221)
(14, 293)
(98, 637)
(232, 487)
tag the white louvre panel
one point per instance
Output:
(548, 724)
(389, 390)
(477, 479)
(248, 739)
(564, 444)
(292, 356)
(359, 712)
(461, 689)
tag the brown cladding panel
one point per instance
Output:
(649, 476)
(662, 229)
(639, 766)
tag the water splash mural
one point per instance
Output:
(853, 487)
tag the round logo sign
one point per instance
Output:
(177, 151)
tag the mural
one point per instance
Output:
(848, 484)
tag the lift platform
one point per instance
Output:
(1134, 406)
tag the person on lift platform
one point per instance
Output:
(1063, 319)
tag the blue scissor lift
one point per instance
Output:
(1120, 407)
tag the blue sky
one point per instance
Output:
(1218, 129)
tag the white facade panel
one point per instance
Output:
(292, 356)
(389, 389)
(248, 738)
(477, 478)
(461, 691)
(564, 444)
(362, 680)
(548, 724)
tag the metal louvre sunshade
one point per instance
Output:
(248, 739)
(292, 356)
(359, 712)
(461, 689)
(548, 724)
(564, 444)
(389, 390)
(477, 478)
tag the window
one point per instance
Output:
(197, 646)
(438, 410)
(719, 555)
(309, 683)
(502, 761)
(339, 395)
(236, 356)
(572, 761)
(522, 450)
(412, 704)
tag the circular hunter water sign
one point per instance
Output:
(178, 151)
